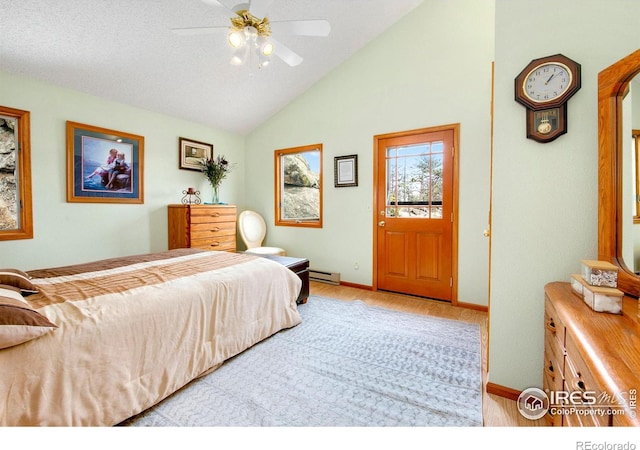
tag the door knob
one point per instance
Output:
(381, 223)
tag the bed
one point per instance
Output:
(127, 332)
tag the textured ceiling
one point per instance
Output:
(124, 50)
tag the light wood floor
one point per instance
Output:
(496, 411)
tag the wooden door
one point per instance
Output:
(414, 227)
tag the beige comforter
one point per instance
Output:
(133, 330)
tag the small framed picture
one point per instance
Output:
(104, 166)
(345, 170)
(193, 153)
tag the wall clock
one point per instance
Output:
(544, 87)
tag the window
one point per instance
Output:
(15, 175)
(298, 193)
(414, 180)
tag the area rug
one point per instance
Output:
(346, 364)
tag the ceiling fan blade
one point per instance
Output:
(199, 30)
(285, 53)
(220, 6)
(259, 8)
(302, 27)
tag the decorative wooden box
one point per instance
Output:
(600, 273)
(599, 298)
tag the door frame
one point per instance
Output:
(455, 127)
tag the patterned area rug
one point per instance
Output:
(346, 364)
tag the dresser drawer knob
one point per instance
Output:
(215, 244)
(578, 384)
(551, 326)
(215, 214)
(550, 372)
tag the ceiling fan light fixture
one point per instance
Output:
(240, 55)
(236, 38)
(263, 60)
(250, 34)
(265, 47)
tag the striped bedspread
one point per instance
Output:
(133, 330)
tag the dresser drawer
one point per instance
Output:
(554, 353)
(212, 215)
(554, 349)
(553, 373)
(222, 243)
(207, 230)
(553, 367)
(552, 380)
(578, 378)
(571, 420)
(584, 416)
(552, 323)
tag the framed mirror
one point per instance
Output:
(635, 140)
(613, 87)
(15, 175)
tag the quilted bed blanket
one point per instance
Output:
(131, 331)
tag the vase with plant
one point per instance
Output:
(215, 170)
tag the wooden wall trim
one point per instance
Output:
(502, 391)
(356, 285)
(473, 306)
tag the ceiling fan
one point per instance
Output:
(251, 30)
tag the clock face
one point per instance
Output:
(547, 82)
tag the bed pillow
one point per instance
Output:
(19, 322)
(19, 279)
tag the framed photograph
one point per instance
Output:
(193, 152)
(345, 170)
(104, 166)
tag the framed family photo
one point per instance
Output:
(345, 170)
(192, 153)
(104, 166)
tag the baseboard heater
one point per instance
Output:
(324, 277)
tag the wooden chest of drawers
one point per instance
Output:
(594, 357)
(209, 227)
(553, 374)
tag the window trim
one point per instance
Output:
(277, 155)
(23, 175)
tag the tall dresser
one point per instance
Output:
(592, 356)
(209, 227)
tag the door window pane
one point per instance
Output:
(414, 180)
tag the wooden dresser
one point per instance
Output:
(592, 359)
(210, 227)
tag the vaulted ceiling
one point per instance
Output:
(124, 50)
